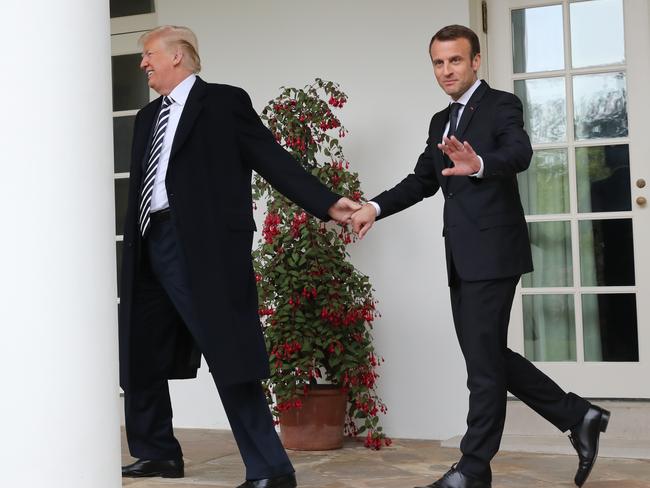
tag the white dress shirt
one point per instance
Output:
(463, 101)
(464, 98)
(179, 95)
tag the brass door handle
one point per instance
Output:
(641, 201)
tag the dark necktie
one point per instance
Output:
(152, 165)
(454, 108)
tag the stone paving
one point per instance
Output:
(212, 460)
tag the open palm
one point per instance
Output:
(465, 160)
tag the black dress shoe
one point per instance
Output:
(455, 479)
(144, 468)
(285, 481)
(584, 438)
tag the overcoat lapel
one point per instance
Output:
(191, 111)
(149, 117)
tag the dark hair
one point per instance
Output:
(453, 32)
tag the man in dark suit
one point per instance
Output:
(487, 250)
(188, 286)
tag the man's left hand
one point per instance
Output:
(343, 209)
(466, 162)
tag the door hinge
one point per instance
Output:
(484, 15)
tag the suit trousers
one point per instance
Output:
(162, 290)
(481, 312)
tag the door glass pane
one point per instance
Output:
(121, 8)
(544, 187)
(606, 252)
(549, 328)
(118, 257)
(537, 39)
(603, 176)
(121, 200)
(550, 243)
(610, 327)
(600, 105)
(130, 88)
(544, 103)
(597, 33)
(122, 138)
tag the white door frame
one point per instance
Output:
(595, 379)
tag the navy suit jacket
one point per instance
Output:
(486, 236)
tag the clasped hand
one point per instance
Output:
(342, 210)
(363, 219)
(346, 211)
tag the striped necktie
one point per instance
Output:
(152, 165)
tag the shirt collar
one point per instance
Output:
(468, 94)
(182, 90)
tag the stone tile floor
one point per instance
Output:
(212, 460)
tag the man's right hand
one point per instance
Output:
(363, 219)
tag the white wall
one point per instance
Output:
(377, 51)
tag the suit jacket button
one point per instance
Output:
(450, 195)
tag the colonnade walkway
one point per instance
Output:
(212, 461)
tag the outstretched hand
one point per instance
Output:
(363, 220)
(466, 162)
(342, 210)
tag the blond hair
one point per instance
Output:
(178, 36)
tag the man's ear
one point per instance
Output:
(178, 57)
(476, 62)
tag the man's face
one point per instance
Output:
(159, 63)
(453, 66)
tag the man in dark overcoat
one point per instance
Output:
(188, 286)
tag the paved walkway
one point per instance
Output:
(212, 460)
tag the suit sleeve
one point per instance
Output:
(265, 156)
(420, 184)
(513, 150)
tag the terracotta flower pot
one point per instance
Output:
(318, 425)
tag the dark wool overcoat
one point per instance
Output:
(219, 141)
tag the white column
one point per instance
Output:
(59, 404)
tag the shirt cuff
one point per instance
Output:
(377, 207)
(479, 173)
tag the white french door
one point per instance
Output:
(581, 69)
(130, 94)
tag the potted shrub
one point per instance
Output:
(316, 308)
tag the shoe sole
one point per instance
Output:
(604, 422)
(153, 475)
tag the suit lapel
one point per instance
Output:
(191, 111)
(470, 109)
(436, 133)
